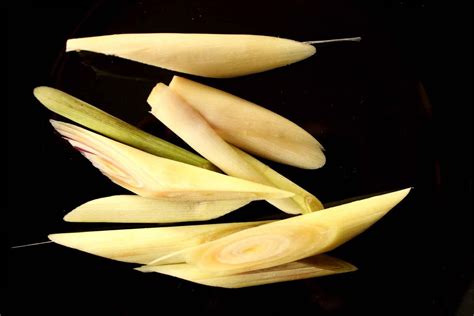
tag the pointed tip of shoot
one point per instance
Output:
(70, 217)
(144, 269)
(65, 129)
(56, 124)
(55, 238)
(305, 50)
(351, 268)
(399, 195)
(330, 263)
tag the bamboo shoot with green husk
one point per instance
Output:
(260, 131)
(287, 240)
(188, 124)
(137, 209)
(145, 244)
(110, 126)
(316, 266)
(151, 176)
(207, 55)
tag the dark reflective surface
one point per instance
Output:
(376, 107)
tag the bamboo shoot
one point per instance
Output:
(288, 240)
(91, 117)
(137, 209)
(142, 245)
(311, 267)
(206, 55)
(188, 124)
(151, 176)
(260, 131)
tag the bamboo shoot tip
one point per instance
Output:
(54, 238)
(70, 217)
(350, 267)
(55, 124)
(405, 191)
(144, 269)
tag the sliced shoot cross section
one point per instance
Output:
(142, 245)
(288, 240)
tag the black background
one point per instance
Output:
(366, 108)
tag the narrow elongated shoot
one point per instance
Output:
(251, 127)
(151, 176)
(288, 240)
(142, 245)
(206, 55)
(316, 266)
(188, 124)
(137, 209)
(110, 126)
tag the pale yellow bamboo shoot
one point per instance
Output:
(251, 127)
(137, 209)
(316, 266)
(188, 124)
(151, 176)
(207, 55)
(288, 240)
(145, 244)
